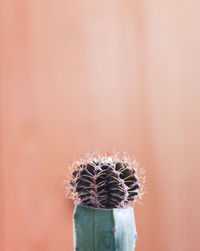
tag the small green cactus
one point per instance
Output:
(102, 187)
(104, 229)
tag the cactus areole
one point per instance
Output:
(103, 186)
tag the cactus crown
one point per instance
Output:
(109, 180)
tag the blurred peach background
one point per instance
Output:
(82, 74)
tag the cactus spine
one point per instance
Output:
(102, 187)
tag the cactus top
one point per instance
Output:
(109, 180)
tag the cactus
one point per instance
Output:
(104, 229)
(102, 187)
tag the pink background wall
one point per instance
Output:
(82, 74)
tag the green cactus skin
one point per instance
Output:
(97, 229)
